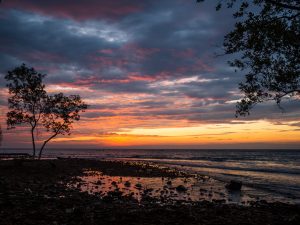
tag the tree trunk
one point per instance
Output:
(44, 144)
(33, 141)
(42, 148)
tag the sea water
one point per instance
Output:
(276, 172)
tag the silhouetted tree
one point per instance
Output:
(27, 100)
(60, 113)
(31, 105)
(266, 37)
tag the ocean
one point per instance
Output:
(276, 172)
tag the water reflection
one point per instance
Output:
(163, 189)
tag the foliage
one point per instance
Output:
(31, 105)
(27, 100)
(266, 37)
(27, 96)
(60, 114)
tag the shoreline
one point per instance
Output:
(263, 172)
(261, 194)
(48, 190)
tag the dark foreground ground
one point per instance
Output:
(34, 192)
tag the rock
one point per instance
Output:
(69, 210)
(138, 186)
(181, 188)
(28, 190)
(146, 191)
(222, 194)
(2, 187)
(234, 185)
(115, 193)
(127, 184)
(98, 182)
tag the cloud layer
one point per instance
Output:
(145, 64)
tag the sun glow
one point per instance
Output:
(205, 134)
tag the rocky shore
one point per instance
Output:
(50, 192)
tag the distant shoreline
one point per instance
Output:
(155, 149)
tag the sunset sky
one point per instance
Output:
(148, 70)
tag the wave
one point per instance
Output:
(183, 162)
(262, 182)
(216, 158)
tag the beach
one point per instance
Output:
(85, 191)
(270, 175)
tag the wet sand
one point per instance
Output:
(77, 191)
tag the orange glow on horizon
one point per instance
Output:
(253, 132)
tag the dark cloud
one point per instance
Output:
(44, 40)
(123, 87)
(153, 104)
(77, 9)
(162, 49)
(98, 114)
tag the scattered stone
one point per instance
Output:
(181, 188)
(138, 186)
(234, 185)
(44, 206)
(69, 210)
(99, 182)
(127, 184)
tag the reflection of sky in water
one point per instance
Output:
(275, 177)
(287, 185)
(164, 189)
(276, 171)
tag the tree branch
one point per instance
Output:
(286, 6)
(287, 93)
(45, 142)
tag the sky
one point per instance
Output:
(153, 73)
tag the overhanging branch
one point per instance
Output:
(283, 5)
